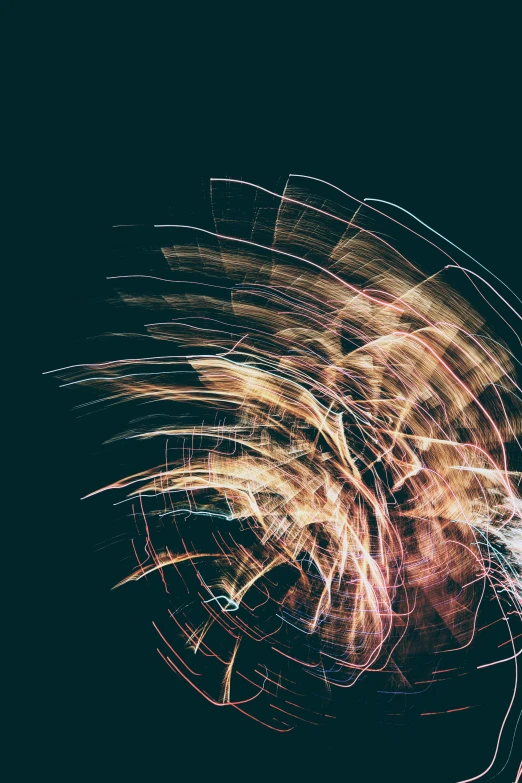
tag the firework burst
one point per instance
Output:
(334, 491)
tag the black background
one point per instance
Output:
(132, 133)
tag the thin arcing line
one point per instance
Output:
(391, 204)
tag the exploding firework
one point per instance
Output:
(333, 486)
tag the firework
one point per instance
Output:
(334, 490)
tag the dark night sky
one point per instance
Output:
(438, 140)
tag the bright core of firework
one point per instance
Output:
(333, 485)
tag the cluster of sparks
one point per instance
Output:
(334, 492)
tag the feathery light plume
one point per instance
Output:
(334, 492)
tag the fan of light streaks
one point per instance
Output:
(334, 491)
